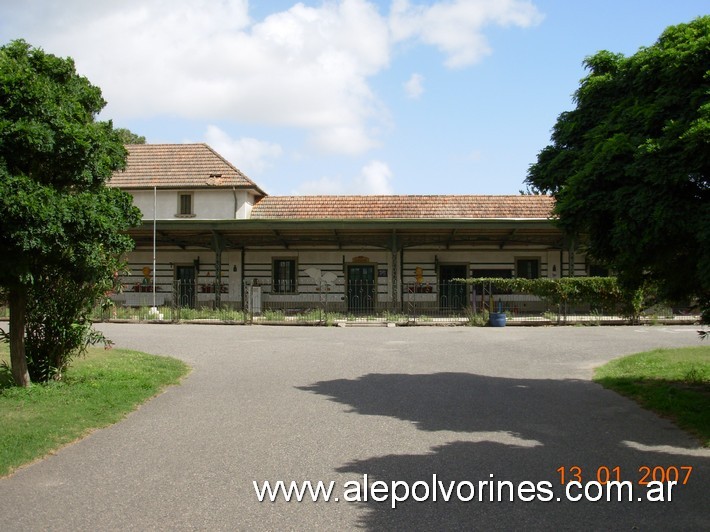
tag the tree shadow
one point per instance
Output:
(684, 401)
(515, 430)
(558, 413)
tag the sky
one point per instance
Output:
(348, 96)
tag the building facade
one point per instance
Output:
(216, 235)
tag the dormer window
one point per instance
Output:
(185, 205)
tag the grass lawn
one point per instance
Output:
(98, 390)
(674, 383)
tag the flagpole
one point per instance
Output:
(155, 208)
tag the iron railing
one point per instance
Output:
(325, 303)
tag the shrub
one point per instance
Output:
(58, 325)
(601, 293)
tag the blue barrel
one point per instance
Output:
(496, 319)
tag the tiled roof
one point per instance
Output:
(178, 165)
(402, 207)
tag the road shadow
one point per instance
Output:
(518, 430)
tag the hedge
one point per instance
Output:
(603, 293)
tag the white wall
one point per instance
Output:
(258, 266)
(166, 261)
(245, 203)
(208, 204)
(490, 259)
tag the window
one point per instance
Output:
(185, 204)
(527, 268)
(284, 276)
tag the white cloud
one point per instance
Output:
(250, 155)
(305, 67)
(324, 185)
(414, 86)
(455, 27)
(374, 178)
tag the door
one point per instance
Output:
(185, 277)
(452, 294)
(361, 288)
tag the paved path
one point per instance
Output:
(302, 403)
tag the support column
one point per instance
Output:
(217, 246)
(395, 270)
(243, 278)
(570, 266)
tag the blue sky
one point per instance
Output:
(351, 96)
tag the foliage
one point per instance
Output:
(58, 324)
(602, 293)
(186, 314)
(630, 165)
(672, 382)
(273, 315)
(96, 391)
(59, 219)
(476, 319)
(128, 137)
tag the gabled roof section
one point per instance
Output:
(179, 166)
(459, 207)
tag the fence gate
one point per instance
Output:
(452, 294)
(361, 288)
(185, 290)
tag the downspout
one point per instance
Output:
(236, 203)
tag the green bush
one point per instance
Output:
(274, 315)
(58, 325)
(476, 319)
(601, 293)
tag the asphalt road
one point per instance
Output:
(395, 404)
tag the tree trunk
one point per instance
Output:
(17, 298)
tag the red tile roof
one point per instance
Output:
(402, 207)
(178, 166)
(199, 166)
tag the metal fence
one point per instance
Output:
(359, 302)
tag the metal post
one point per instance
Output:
(155, 210)
(395, 280)
(218, 246)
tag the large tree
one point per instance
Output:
(58, 218)
(128, 137)
(629, 166)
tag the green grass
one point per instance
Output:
(674, 383)
(97, 390)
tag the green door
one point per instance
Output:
(361, 288)
(185, 290)
(452, 294)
